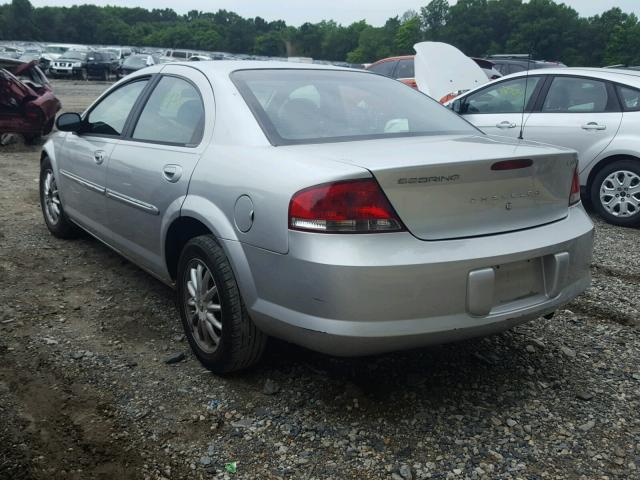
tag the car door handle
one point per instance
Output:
(506, 124)
(172, 173)
(593, 126)
(98, 156)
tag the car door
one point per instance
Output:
(498, 108)
(150, 168)
(85, 156)
(577, 112)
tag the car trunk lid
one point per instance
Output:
(454, 187)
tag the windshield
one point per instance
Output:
(312, 106)
(135, 61)
(51, 49)
(75, 55)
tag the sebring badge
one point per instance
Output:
(433, 179)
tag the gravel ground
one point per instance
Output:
(86, 391)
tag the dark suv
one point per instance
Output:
(102, 64)
(508, 63)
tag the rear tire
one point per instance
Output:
(215, 320)
(615, 193)
(54, 216)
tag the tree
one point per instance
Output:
(434, 18)
(408, 35)
(546, 28)
(19, 21)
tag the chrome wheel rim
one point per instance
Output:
(620, 194)
(202, 305)
(51, 198)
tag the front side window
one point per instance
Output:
(173, 114)
(296, 106)
(505, 97)
(405, 69)
(384, 68)
(576, 95)
(630, 98)
(110, 115)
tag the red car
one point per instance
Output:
(27, 103)
(402, 68)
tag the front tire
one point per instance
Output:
(215, 320)
(615, 193)
(54, 216)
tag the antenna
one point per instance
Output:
(524, 99)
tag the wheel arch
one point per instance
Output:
(604, 163)
(48, 152)
(181, 230)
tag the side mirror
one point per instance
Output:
(458, 106)
(69, 122)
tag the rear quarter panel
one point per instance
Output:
(625, 143)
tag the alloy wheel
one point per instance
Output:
(620, 194)
(203, 306)
(51, 198)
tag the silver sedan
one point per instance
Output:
(335, 209)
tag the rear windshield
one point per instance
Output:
(136, 61)
(300, 106)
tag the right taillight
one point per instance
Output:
(351, 206)
(574, 196)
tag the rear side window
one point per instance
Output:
(384, 68)
(405, 69)
(173, 114)
(630, 98)
(110, 115)
(576, 95)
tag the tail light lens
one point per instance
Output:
(574, 196)
(352, 206)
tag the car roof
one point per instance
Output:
(225, 67)
(393, 59)
(629, 77)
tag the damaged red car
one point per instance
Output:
(27, 103)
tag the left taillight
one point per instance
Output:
(350, 206)
(574, 196)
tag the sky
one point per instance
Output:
(297, 12)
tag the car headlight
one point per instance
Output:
(77, 64)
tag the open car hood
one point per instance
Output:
(442, 71)
(12, 91)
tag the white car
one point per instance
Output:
(591, 110)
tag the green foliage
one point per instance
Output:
(546, 28)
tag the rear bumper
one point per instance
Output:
(363, 294)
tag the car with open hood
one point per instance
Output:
(28, 106)
(436, 63)
(333, 208)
